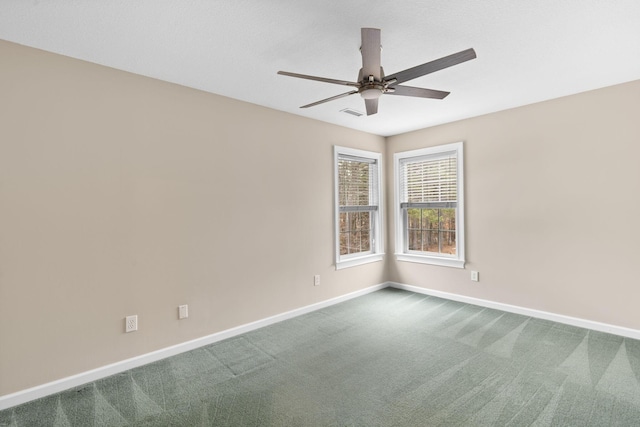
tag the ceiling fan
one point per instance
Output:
(372, 83)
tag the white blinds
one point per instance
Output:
(357, 189)
(429, 182)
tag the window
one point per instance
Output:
(429, 205)
(357, 214)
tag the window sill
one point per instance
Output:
(421, 259)
(352, 262)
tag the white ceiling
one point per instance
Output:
(528, 50)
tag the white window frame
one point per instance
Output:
(401, 253)
(377, 218)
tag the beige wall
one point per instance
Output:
(552, 206)
(125, 195)
(118, 196)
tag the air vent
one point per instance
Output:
(352, 112)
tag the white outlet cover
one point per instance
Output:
(131, 323)
(183, 311)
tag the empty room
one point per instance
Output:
(244, 213)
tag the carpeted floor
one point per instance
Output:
(390, 358)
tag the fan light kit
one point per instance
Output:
(372, 83)
(373, 92)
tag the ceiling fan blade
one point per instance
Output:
(313, 104)
(320, 79)
(418, 92)
(372, 106)
(433, 66)
(370, 50)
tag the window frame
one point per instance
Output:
(376, 217)
(401, 223)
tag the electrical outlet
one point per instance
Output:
(475, 276)
(316, 280)
(131, 323)
(183, 311)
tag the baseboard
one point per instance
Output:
(63, 384)
(574, 321)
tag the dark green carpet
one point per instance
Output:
(390, 358)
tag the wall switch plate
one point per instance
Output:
(316, 280)
(131, 323)
(475, 276)
(183, 311)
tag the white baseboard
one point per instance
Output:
(63, 384)
(574, 321)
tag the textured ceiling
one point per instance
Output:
(528, 51)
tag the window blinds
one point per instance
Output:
(357, 189)
(429, 182)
